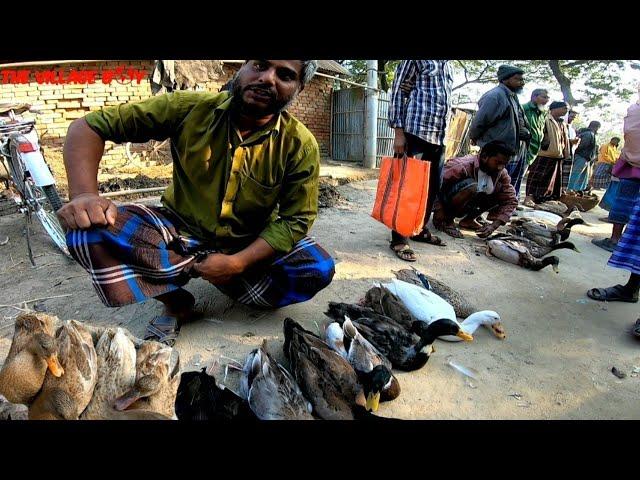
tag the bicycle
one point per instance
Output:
(28, 173)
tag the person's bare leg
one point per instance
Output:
(177, 303)
(633, 285)
(616, 232)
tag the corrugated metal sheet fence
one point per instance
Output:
(347, 126)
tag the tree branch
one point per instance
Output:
(478, 79)
(563, 81)
(575, 64)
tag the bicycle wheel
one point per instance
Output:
(46, 213)
(43, 201)
(15, 165)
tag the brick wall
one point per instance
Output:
(63, 102)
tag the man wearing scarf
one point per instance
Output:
(545, 174)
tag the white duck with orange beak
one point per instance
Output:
(428, 307)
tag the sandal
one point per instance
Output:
(425, 236)
(605, 244)
(611, 294)
(163, 329)
(405, 253)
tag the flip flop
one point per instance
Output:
(163, 329)
(427, 237)
(605, 244)
(611, 294)
(405, 253)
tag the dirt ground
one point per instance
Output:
(555, 363)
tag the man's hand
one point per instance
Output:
(489, 229)
(219, 268)
(86, 210)
(399, 143)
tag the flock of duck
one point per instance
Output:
(69, 370)
(533, 235)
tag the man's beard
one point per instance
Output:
(274, 106)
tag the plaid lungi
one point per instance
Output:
(567, 166)
(602, 175)
(143, 256)
(610, 195)
(628, 193)
(580, 174)
(517, 167)
(541, 182)
(627, 252)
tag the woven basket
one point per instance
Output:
(584, 204)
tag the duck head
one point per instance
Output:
(438, 328)
(553, 261)
(44, 346)
(492, 321)
(373, 383)
(568, 245)
(152, 374)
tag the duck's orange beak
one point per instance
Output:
(54, 366)
(464, 336)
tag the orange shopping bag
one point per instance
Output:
(401, 199)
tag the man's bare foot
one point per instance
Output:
(470, 224)
(178, 303)
(450, 229)
(528, 201)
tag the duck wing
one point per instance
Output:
(200, 398)
(338, 311)
(116, 372)
(363, 355)
(79, 360)
(326, 379)
(334, 336)
(393, 341)
(423, 304)
(272, 393)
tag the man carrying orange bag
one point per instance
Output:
(418, 112)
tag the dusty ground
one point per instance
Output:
(555, 364)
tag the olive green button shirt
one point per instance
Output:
(227, 190)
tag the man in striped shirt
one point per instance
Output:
(419, 111)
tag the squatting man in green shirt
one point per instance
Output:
(243, 197)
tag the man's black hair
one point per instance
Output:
(494, 148)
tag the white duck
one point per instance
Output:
(428, 307)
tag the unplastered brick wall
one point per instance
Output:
(62, 101)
